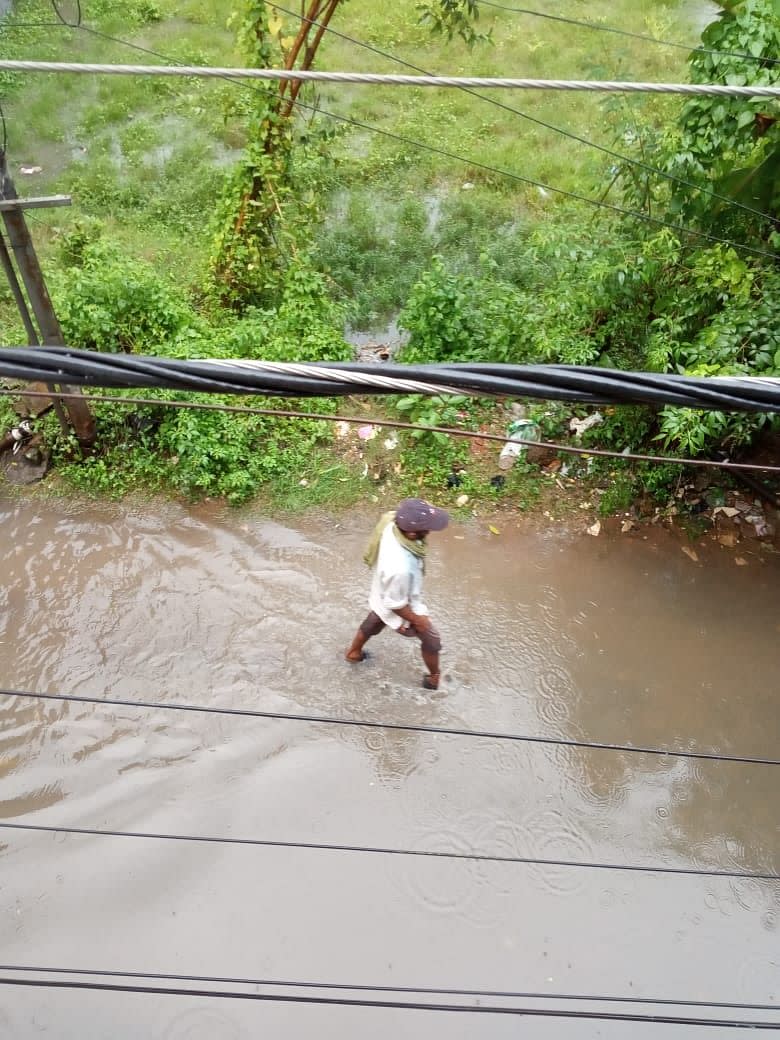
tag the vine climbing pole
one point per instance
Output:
(249, 244)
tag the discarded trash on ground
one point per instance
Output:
(580, 426)
(524, 429)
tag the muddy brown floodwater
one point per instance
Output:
(624, 640)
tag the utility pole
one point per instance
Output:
(49, 332)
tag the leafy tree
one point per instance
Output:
(728, 146)
(733, 144)
(255, 225)
(453, 18)
(253, 234)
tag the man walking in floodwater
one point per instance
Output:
(397, 552)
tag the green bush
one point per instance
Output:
(113, 303)
(462, 317)
(233, 456)
(619, 495)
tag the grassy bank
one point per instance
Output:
(146, 157)
(145, 160)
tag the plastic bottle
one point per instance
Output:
(524, 429)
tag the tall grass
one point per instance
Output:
(146, 156)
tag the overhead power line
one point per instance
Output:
(450, 731)
(393, 79)
(401, 990)
(472, 163)
(57, 4)
(638, 164)
(394, 424)
(378, 850)
(286, 998)
(585, 384)
(692, 49)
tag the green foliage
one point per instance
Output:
(693, 431)
(618, 496)
(519, 276)
(718, 136)
(247, 258)
(453, 18)
(427, 466)
(196, 453)
(461, 317)
(579, 304)
(113, 303)
(8, 416)
(272, 197)
(308, 324)
(625, 426)
(658, 480)
(729, 145)
(74, 245)
(138, 12)
(232, 457)
(373, 251)
(431, 411)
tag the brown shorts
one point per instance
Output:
(430, 638)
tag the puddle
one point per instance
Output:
(377, 344)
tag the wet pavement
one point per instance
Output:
(623, 640)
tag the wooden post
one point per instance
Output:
(29, 328)
(12, 212)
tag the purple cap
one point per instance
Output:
(414, 514)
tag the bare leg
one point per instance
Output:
(355, 650)
(431, 660)
(372, 626)
(430, 645)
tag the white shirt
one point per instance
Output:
(397, 580)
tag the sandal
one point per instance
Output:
(431, 682)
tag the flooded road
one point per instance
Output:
(624, 641)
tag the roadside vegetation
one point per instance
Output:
(205, 222)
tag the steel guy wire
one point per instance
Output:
(540, 122)
(394, 1004)
(282, 413)
(379, 850)
(405, 727)
(422, 146)
(392, 79)
(692, 49)
(406, 990)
